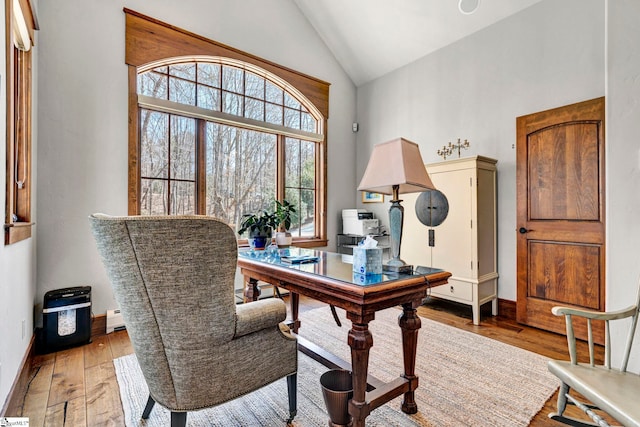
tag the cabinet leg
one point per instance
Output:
(494, 306)
(475, 310)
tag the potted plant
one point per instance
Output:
(283, 214)
(259, 228)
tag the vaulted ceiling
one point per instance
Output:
(370, 38)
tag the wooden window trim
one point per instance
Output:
(149, 40)
(19, 126)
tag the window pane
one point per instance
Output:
(308, 123)
(273, 114)
(164, 69)
(183, 148)
(232, 79)
(291, 102)
(154, 144)
(232, 103)
(220, 167)
(307, 209)
(292, 162)
(185, 71)
(303, 224)
(292, 195)
(300, 167)
(182, 91)
(240, 169)
(209, 74)
(307, 162)
(183, 198)
(254, 109)
(274, 93)
(255, 86)
(209, 98)
(292, 118)
(153, 84)
(153, 200)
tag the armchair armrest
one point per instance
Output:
(259, 315)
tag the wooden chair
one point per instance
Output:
(614, 391)
(173, 278)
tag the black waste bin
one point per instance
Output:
(66, 317)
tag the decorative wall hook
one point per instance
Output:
(449, 149)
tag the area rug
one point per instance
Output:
(465, 380)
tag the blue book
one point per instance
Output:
(299, 259)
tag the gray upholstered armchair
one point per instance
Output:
(173, 278)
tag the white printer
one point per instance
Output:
(359, 222)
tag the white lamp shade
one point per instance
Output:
(396, 162)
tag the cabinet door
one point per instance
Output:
(414, 249)
(453, 249)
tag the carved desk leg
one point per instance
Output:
(251, 291)
(410, 324)
(360, 340)
(294, 303)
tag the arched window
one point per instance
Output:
(224, 136)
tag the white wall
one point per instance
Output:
(546, 56)
(623, 159)
(83, 114)
(17, 261)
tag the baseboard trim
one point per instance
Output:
(15, 400)
(507, 309)
(99, 325)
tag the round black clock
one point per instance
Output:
(432, 208)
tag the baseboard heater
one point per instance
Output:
(115, 322)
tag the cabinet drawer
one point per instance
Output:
(461, 291)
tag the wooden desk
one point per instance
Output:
(332, 281)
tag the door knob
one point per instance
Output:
(523, 230)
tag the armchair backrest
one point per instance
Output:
(632, 312)
(173, 279)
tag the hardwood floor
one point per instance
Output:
(77, 387)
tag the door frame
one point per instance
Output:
(593, 110)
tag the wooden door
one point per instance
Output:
(560, 214)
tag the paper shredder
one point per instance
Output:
(66, 317)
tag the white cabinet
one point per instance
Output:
(465, 244)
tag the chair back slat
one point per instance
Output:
(632, 332)
(591, 347)
(607, 344)
(571, 340)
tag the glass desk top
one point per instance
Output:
(328, 264)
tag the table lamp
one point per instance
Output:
(395, 167)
